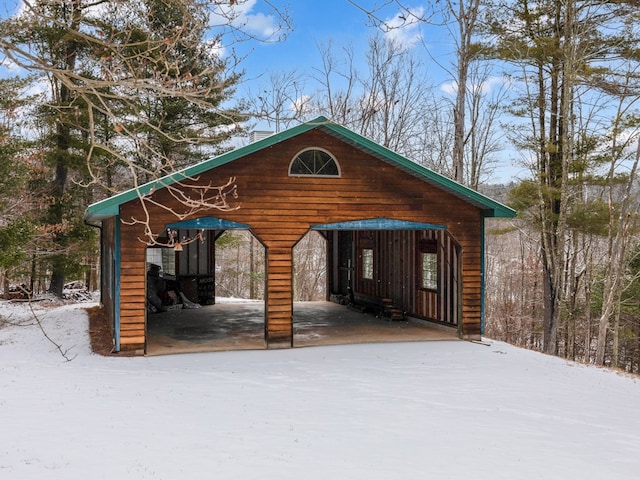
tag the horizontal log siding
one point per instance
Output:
(279, 294)
(280, 209)
(133, 279)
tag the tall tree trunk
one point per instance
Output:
(6, 284)
(466, 13)
(63, 144)
(56, 211)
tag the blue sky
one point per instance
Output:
(316, 22)
(313, 22)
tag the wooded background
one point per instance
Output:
(101, 96)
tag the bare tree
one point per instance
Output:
(485, 97)
(310, 268)
(465, 14)
(394, 95)
(338, 81)
(385, 101)
(435, 140)
(280, 101)
(472, 117)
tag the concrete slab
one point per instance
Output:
(240, 326)
(327, 323)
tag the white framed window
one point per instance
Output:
(367, 264)
(165, 258)
(428, 264)
(314, 162)
(429, 270)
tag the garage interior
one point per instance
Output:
(231, 306)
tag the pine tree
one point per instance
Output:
(135, 91)
(176, 130)
(16, 226)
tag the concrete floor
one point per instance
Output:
(240, 326)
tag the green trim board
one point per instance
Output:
(116, 285)
(490, 208)
(208, 223)
(378, 224)
(483, 266)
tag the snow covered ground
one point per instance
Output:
(441, 410)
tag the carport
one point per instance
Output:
(399, 237)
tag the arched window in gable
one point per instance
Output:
(314, 162)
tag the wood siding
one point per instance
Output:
(280, 209)
(397, 275)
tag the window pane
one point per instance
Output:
(429, 271)
(314, 162)
(169, 261)
(367, 263)
(165, 258)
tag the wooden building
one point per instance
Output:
(395, 231)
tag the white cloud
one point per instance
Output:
(404, 27)
(492, 83)
(242, 17)
(489, 85)
(215, 48)
(261, 24)
(450, 88)
(301, 105)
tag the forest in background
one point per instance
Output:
(110, 95)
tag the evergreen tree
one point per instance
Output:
(176, 130)
(135, 91)
(16, 227)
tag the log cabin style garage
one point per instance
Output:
(399, 237)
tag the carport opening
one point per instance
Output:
(240, 266)
(310, 268)
(310, 297)
(381, 283)
(211, 293)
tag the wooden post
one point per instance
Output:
(279, 296)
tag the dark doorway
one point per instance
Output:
(211, 293)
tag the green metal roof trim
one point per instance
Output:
(378, 224)
(208, 223)
(110, 206)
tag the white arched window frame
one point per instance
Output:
(314, 162)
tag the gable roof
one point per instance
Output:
(110, 206)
